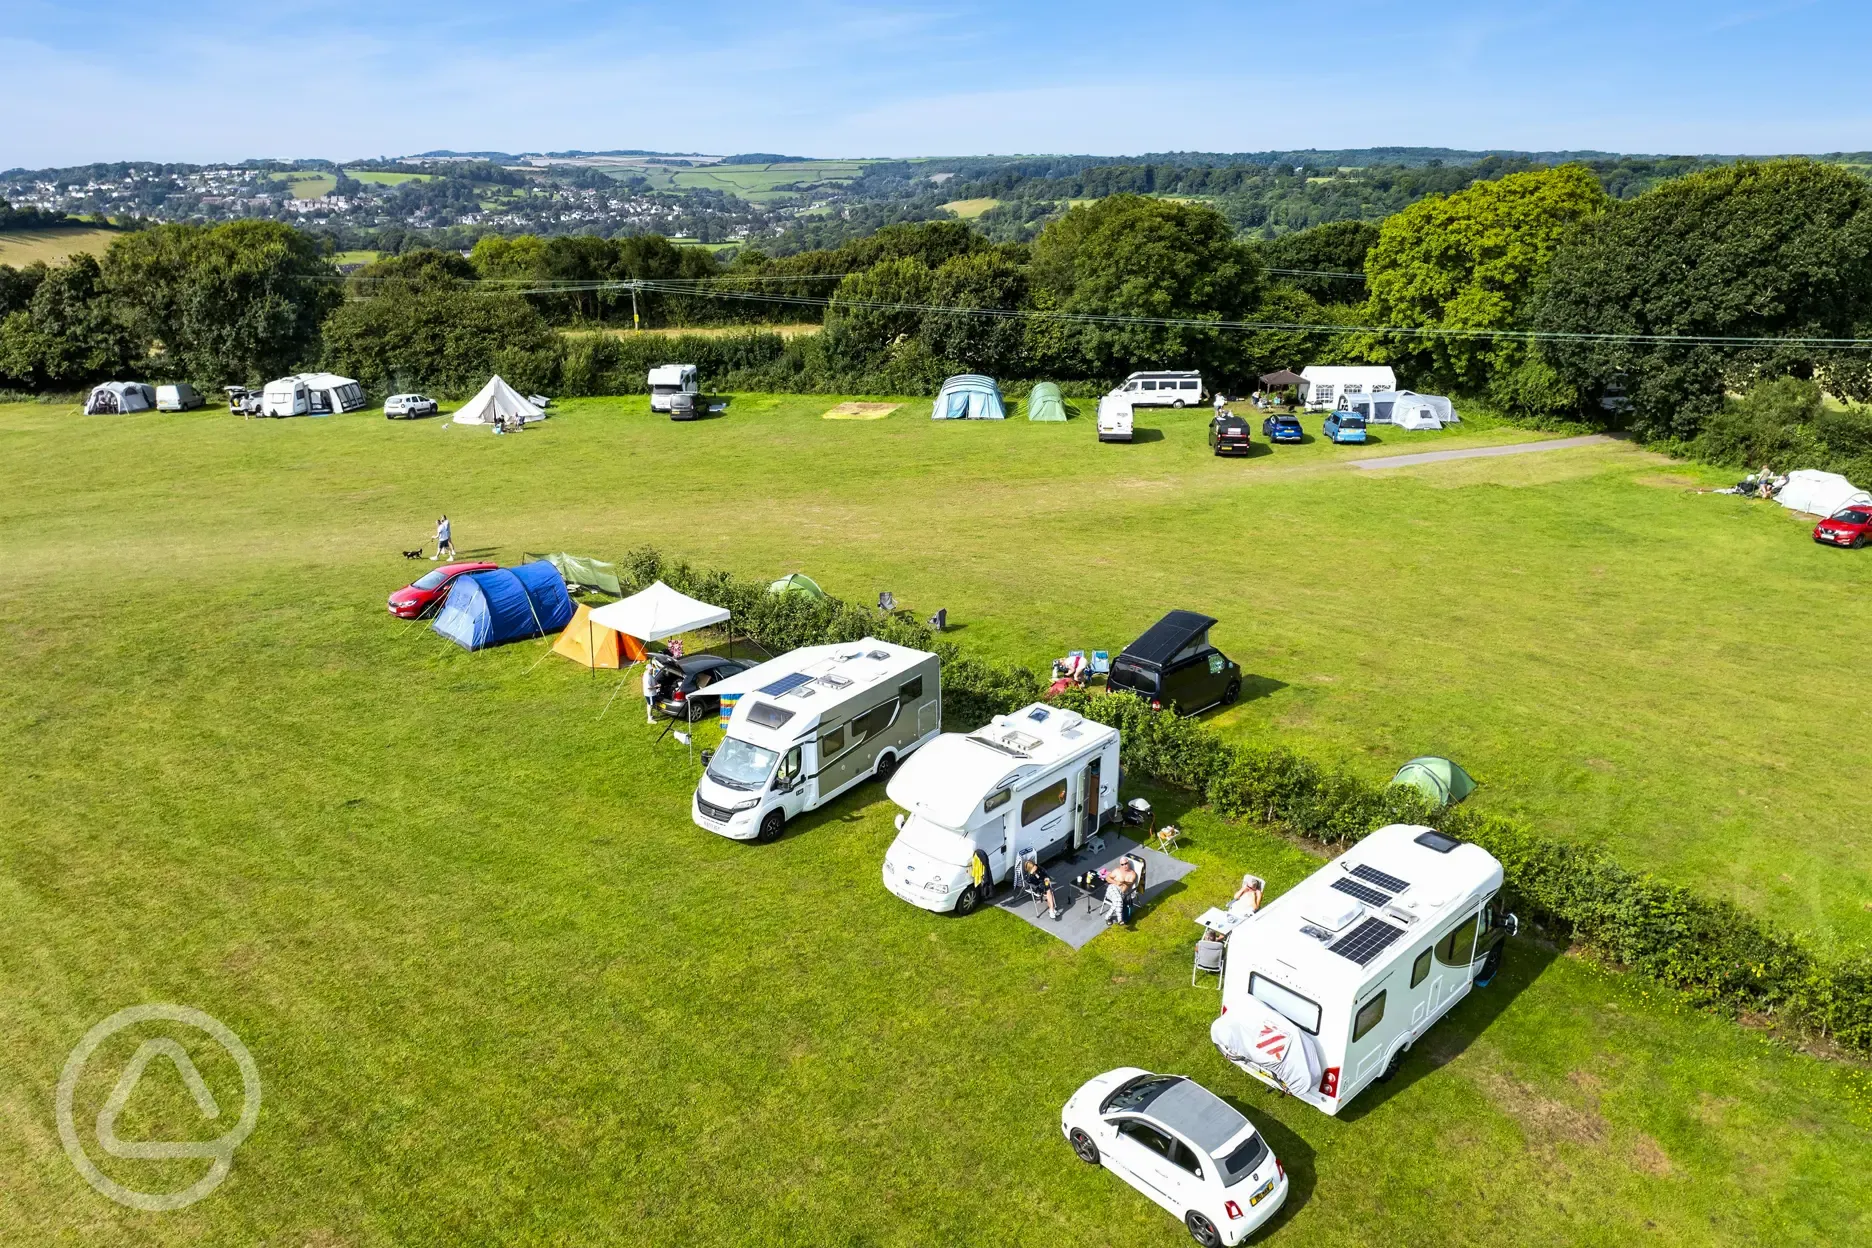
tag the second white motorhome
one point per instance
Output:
(668, 380)
(1328, 985)
(1168, 389)
(1039, 781)
(811, 724)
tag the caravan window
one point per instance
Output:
(874, 721)
(1043, 803)
(832, 743)
(1458, 947)
(1189, 385)
(1303, 1013)
(996, 800)
(1420, 969)
(911, 690)
(1369, 1016)
(1148, 385)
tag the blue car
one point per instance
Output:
(1344, 427)
(1282, 429)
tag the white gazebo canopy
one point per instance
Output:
(656, 613)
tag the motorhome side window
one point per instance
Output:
(1302, 1012)
(1420, 969)
(996, 800)
(1369, 1016)
(873, 721)
(1043, 803)
(1457, 948)
(911, 689)
(832, 743)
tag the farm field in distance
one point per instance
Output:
(19, 248)
(500, 987)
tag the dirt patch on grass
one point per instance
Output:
(861, 411)
(1649, 1156)
(1546, 1120)
(1667, 480)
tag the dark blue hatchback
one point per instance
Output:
(1282, 429)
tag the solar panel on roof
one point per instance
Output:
(1370, 896)
(1373, 875)
(1366, 941)
(785, 684)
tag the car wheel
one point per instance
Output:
(770, 827)
(1231, 693)
(1202, 1230)
(1858, 541)
(1391, 1067)
(886, 768)
(967, 901)
(1491, 965)
(1083, 1147)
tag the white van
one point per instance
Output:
(811, 724)
(1174, 389)
(1326, 987)
(667, 380)
(180, 397)
(1114, 418)
(1038, 781)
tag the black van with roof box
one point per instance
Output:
(1174, 666)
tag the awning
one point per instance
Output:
(656, 613)
(1285, 377)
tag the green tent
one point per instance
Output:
(797, 583)
(583, 573)
(1044, 403)
(1438, 779)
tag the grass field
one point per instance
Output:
(969, 209)
(22, 247)
(382, 178)
(500, 990)
(754, 183)
(307, 185)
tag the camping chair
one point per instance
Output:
(1210, 955)
(1101, 663)
(887, 602)
(1025, 886)
(1168, 836)
(940, 620)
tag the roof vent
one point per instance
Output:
(879, 655)
(1436, 840)
(1332, 912)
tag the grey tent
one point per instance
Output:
(969, 396)
(1044, 403)
(796, 583)
(1438, 779)
(115, 397)
(582, 573)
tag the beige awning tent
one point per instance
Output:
(496, 399)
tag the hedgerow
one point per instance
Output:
(1717, 954)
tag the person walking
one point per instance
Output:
(1221, 404)
(445, 540)
(652, 683)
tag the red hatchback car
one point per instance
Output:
(1850, 527)
(425, 594)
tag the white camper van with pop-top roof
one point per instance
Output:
(811, 724)
(1326, 986)
(1039, 781)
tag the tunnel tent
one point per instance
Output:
(1044, 402)
(495, 400)
(505, 604)
(115, 397)
(581, 572)
(1438, 779)
(969, 396)
(1820, 493)
(797, 583)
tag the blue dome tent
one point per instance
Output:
(507, 604)
(969, 396)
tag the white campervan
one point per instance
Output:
(1038, 781)
(1175, 389)
(811, 724)
(1114, 418)
(667, 380)
(1326, 987)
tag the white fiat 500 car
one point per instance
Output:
(1182, 1146)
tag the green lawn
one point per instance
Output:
(500, 989)
(387, 179)
(307, 185)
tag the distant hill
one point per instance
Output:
(762, 158)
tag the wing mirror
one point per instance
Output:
(899, 821)
(707, 754)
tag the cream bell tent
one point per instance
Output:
(120, 396)
(1820, 493)
(497, 399)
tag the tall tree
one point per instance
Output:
(1339, 247)
(1776, 251)
(408, 336)
(229, 303)
(68, 332)
(990, 280)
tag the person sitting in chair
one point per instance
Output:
(1041, 883)
(1247, 898)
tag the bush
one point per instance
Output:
(609, 364)
(1715, 953)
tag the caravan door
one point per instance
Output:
(1086, 813)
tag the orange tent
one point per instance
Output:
(594, 645)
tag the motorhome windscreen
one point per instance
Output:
(738, 765)
(768, 715)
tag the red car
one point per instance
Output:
(418, 599)
(1851, 527)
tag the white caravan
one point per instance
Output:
(311, 394)
(1114, 418)
(811, 724)
(668, 380)
(1172, 389)
(1325, 988)
(1038, 781)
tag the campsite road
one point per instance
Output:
(1437, 457)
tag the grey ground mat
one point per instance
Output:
(1480, 452)
(1083, 917)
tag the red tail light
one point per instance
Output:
(1280, 1169)
(677, 696)
(1329, 1082)
(1234, 1210)
(1156, 705)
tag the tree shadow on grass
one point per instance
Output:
(1524, 962)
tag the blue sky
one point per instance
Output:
(226, 79)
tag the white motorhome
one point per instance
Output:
(1326, 987)
(311, 394)
(1038, 781)
(809, 725)
(1171, 389)
(668, 380)
(1114, 418)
